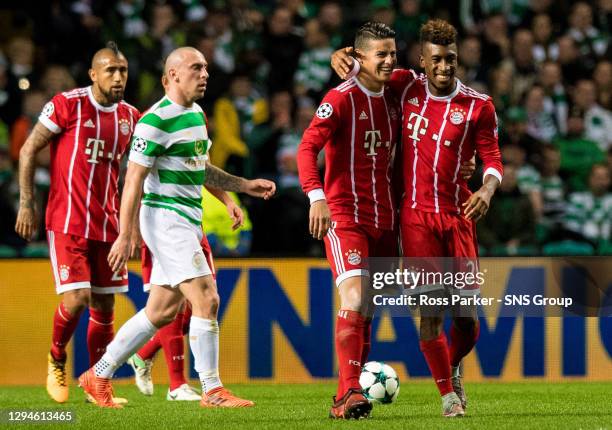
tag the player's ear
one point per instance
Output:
(92, 74)
(422, 60)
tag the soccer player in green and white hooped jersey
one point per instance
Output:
(173, 141)
(169, 156)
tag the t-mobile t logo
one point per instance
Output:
(95, 148)
(418, 124)
(372, 141)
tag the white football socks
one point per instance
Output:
(130, 337)
(204, 343)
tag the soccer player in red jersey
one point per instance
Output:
(444, 122)
(354, 212)
(89, 130)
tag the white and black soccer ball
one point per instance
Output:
(379, 382)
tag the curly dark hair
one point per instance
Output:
(372, 30)
(438, 32)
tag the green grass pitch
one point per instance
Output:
(492, 405)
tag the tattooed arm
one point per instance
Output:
(218, 178)
(222, 180)
(26, 217)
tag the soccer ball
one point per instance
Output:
(379, 382)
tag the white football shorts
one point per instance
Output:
(175, 245)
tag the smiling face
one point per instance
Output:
(378, 59)
(440, 64)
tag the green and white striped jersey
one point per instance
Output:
(173, 141)
(589, 215)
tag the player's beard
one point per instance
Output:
(113, 96)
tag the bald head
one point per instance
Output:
(185, 75)
(180, 55)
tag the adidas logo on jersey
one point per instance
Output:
(89, 123)
(363, 115)
(414, 101)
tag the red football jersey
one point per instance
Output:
(85, 156)
(438, 134)
(359, 130)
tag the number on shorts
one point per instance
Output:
(119, 275)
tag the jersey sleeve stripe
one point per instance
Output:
(181, 177)
(142, 159)
(46, 121)
(492, 171)
(185, 201)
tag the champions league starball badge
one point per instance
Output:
(325, 111)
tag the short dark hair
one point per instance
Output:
(112, 45)
(372, 30)
(438, 32)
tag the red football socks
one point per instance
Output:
(64, 325)
(171, 337)
(350, 327)
(436, 355)
(186, 318)
(367, 341)
(100, 332)
(462, 342)
(149, 349)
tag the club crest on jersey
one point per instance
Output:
(457, 116)
(325, 111)
(139, 145)
(64, 272)
(124, 126)
(48, 109)
(353, 256)
(199, 147)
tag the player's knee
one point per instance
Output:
(208, 305)
(350, 294)
(76, 301)
(102, 302)
(165, 317)
(431, 327)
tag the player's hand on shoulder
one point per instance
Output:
(25, 226)
(119, 253)
(319, 219)
(260, 188)
(342, 62)
(477, 205)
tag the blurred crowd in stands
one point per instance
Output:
(547, 65)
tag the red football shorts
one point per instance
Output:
(435, 235)
(348, 245)
(147, 262)
(81, 263)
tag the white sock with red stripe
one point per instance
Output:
(130, 337)
(204, 343)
